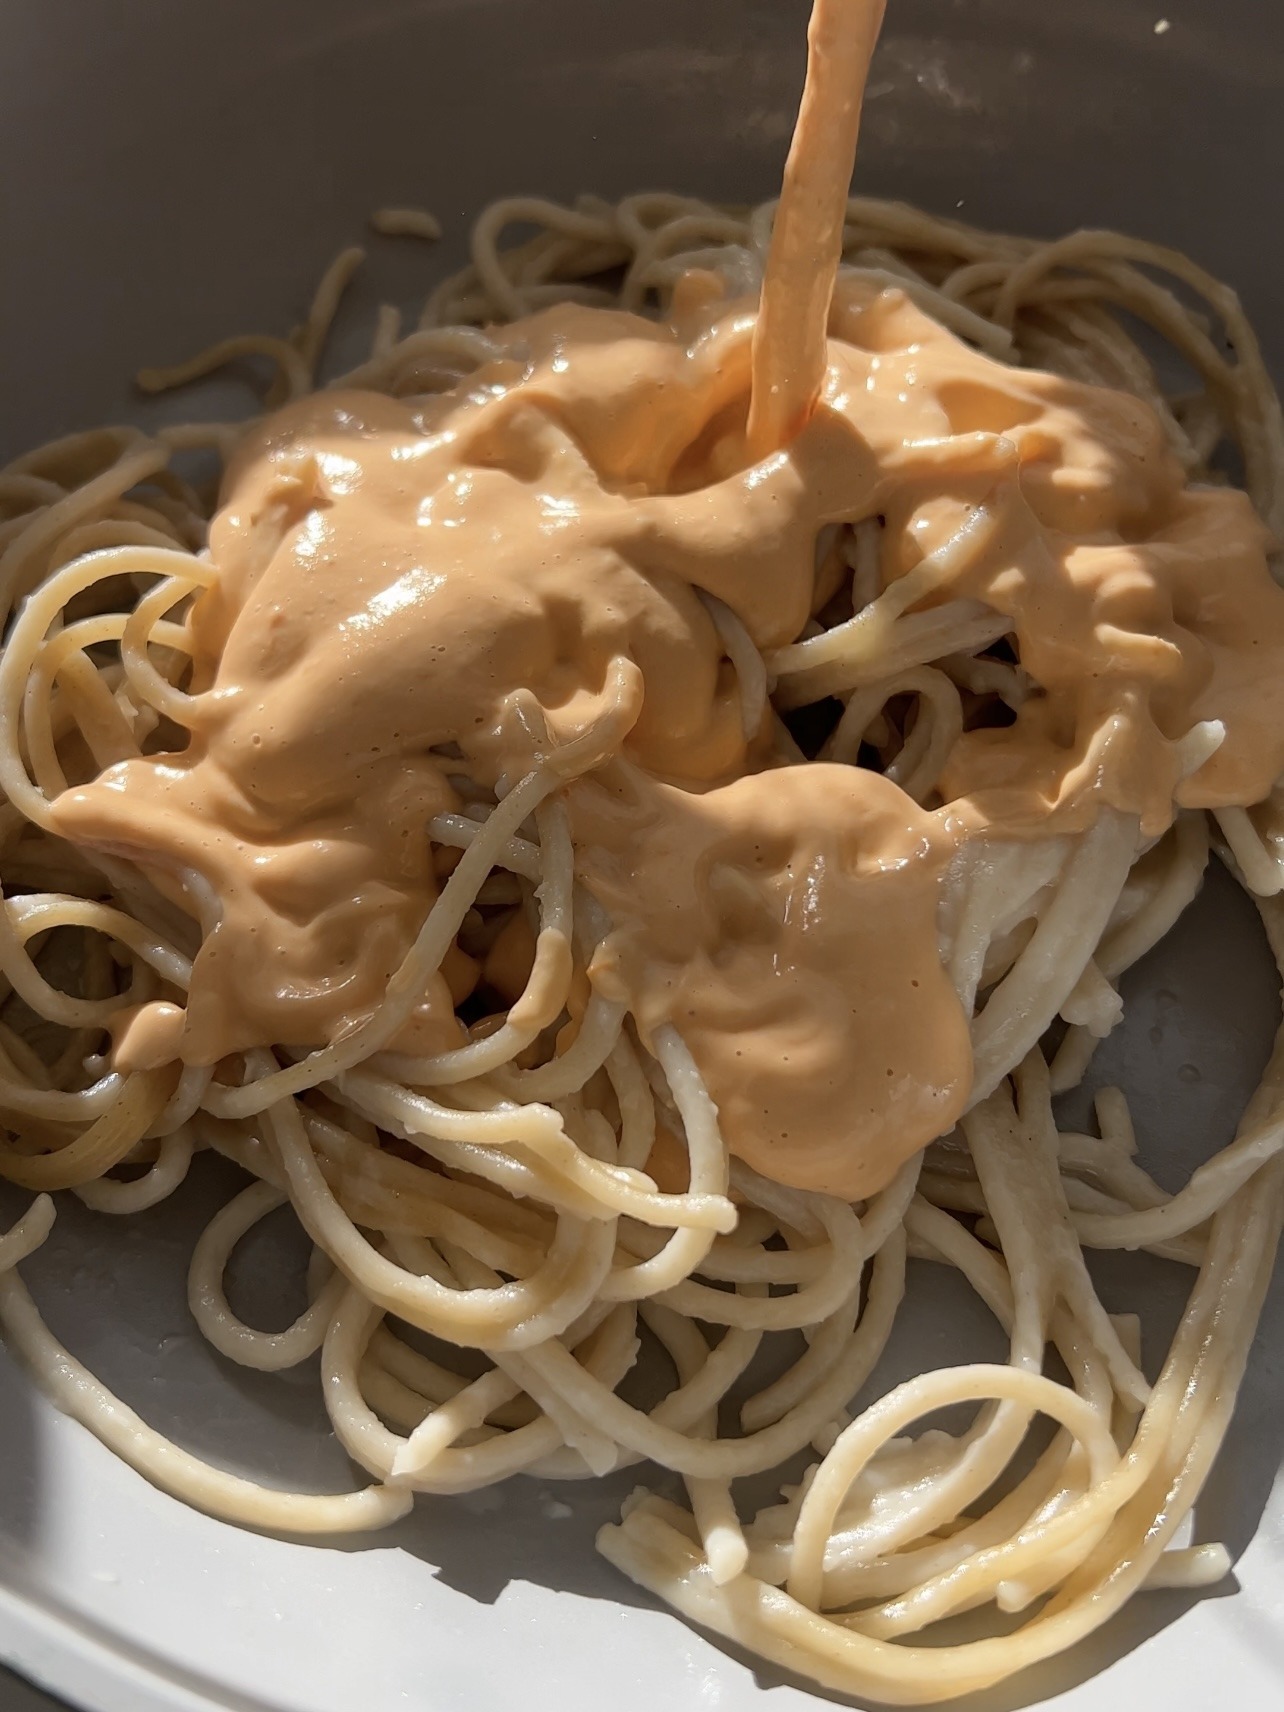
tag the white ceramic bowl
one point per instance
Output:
(175, 171)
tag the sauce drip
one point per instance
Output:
(789, 349)
(391, 572)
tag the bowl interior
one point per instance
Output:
(185, 172)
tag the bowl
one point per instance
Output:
(181, 172)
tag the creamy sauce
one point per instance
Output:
(786, 924)
(391, 572)
(789, 350)
(1140, 605)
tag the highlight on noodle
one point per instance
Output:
(623, 811)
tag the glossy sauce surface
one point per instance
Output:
(396, 579)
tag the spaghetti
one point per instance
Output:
(508, 1101)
